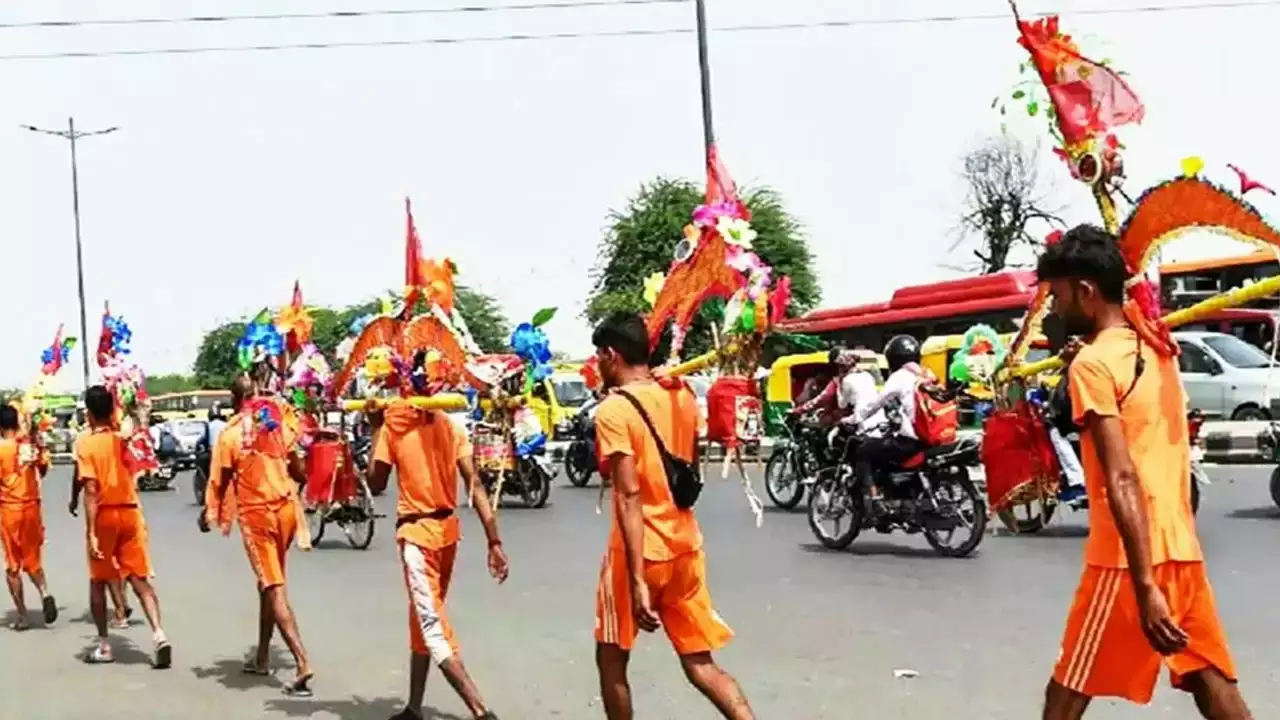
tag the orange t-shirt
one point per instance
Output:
(261, 480)
(1154, 418)
(424, 447)
(19, 475)
(669, 532)
(100, 456)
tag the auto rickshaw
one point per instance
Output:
(787, 377)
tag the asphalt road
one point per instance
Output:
(820, 634)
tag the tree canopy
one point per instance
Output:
(216, 362)
(641, 240)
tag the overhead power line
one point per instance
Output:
(334, 14)
(634, 32)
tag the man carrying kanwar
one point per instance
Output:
(428, 451)
(252, 461)
(654, 570)
(115, 531)
(22, 466)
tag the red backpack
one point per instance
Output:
(937, 413)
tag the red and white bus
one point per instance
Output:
(1000, 300)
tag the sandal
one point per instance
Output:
(299, 688)
(164, 656)
(251, 667)
(99, 656)
(50, 607)
(20, 625)
(120, 624)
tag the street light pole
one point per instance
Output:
(71, 135)
(704, 70)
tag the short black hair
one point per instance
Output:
(1090, 253)
(8, 417)
(624, 333)
(100, 402)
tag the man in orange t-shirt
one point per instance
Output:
(22, 466)
(254, 460)
(428, 452)
(1145, 599)
(654, 571)
(116, 533)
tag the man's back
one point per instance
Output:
(100, 457)
(424, 447)
(669, 531)
(19, 479)
(1152, 412)
(261, 479)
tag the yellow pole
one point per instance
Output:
(446, 401)
(1234, 298)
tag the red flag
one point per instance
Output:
(1090, 98)
(413, 279)
(106, 344)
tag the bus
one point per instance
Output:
(1187, 283)
(1000, 300)
(194, 404)
(950, 307)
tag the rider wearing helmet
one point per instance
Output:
(903, 355)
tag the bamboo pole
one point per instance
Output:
(1233, 298)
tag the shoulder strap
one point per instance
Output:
(657, 439)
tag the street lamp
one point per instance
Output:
(704, 71)
(71, 135)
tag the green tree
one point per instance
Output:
(176, 382)
(217, 362)
(641, 240)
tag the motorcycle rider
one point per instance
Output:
(850, 391)
(905, 372)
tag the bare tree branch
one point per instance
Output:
(1004, 196)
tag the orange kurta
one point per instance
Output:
(21, 521)
(120, 529)
(674, 563)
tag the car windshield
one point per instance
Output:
(1236, 352)
(572, 392)
(190, 428)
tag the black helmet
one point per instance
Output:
(900, 350)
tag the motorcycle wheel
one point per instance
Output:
(577, 467)
(832, 490)
(199, 483)
(960, 488)
(360, 532)
(1195, 494)
(537, 486)
(1038, 515)
(780, 481)
(1275, 486)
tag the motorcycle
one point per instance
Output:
(795, 461)
(580, 458)
(1038, 514)
(930, 493)
(1269, 444)
(361, 449)
(200, 478)
(527, 476)
(159, 479)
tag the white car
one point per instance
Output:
(1226, 377)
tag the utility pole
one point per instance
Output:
(71, 135)
(704, 69)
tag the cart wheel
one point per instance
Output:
(360, 531)
(315, 523)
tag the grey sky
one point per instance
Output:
(233, 174)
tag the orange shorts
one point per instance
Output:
(267, 533)
(678, 591)
(22, 534)
(1104, 652)
(427, 574)
(122, 539)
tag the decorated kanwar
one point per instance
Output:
(418, 365)
(1144, 600)
(654, 571)
(255, 474)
